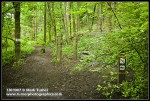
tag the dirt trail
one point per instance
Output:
(40, 72)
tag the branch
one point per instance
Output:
(9, 9)
(115, 15)
(127, 39)
(93, 16)
(136, 51)
(62, 16)
(9, 38)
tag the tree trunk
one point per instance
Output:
(50, 21)
(109, 18)
(67, 21)
(59, 48)
(45, 22)
(78, 18)
(93, 17)
(70, 19)
(35, 22)
(17, 30)
(114, 21)
(63, 19)
(54, 23)
(100, 17)
(75, 47)
(74, 24)
(87, 16)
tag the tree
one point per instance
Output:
(45, 22)
(54, 21)
(35, 22)
(93, 14)
(49, 21)
(17, 30)
(100, 17)
(78, 18)
(66, 19)
(74, 22)
(70, 19)
(109, 16)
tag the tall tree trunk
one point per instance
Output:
(114, 21)
(109, 18)
(87, 16)
(50, 21)
(54, 22)
(59, 36)
(17, 30)
(75, 47)
(35, 22)
(59, 48)
(62, 16)
(74, 24)
(93, 17)
(67, 20)
(78, 18)
(70, 19)
(45, 22)
(100, 17)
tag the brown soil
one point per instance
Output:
(39, 72)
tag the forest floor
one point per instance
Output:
(39, 72)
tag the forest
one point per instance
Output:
(74, 50)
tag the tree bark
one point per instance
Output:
(35, 22)
(67, 21)
(45, 22)
(63, 19)
(93, 17)
(54, 22)
(100, 17)
(87, 16)
(74, 24)
(78, 18)
(115, 16)
(110, 18)
(17, 30)
(75, 47)
(59, 48)
(50, 21)
(70, 19)
(114, 21)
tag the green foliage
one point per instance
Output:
(40, 40)
(27, 47)
(104, 48)
(108, 90)
(136, 89)
(7, 57)
(67, 50)
(27, 50)
(109, 86)
(8, 53)
(78, 67)
(133, 39)
(54, 59)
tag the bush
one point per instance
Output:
(8, 56)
